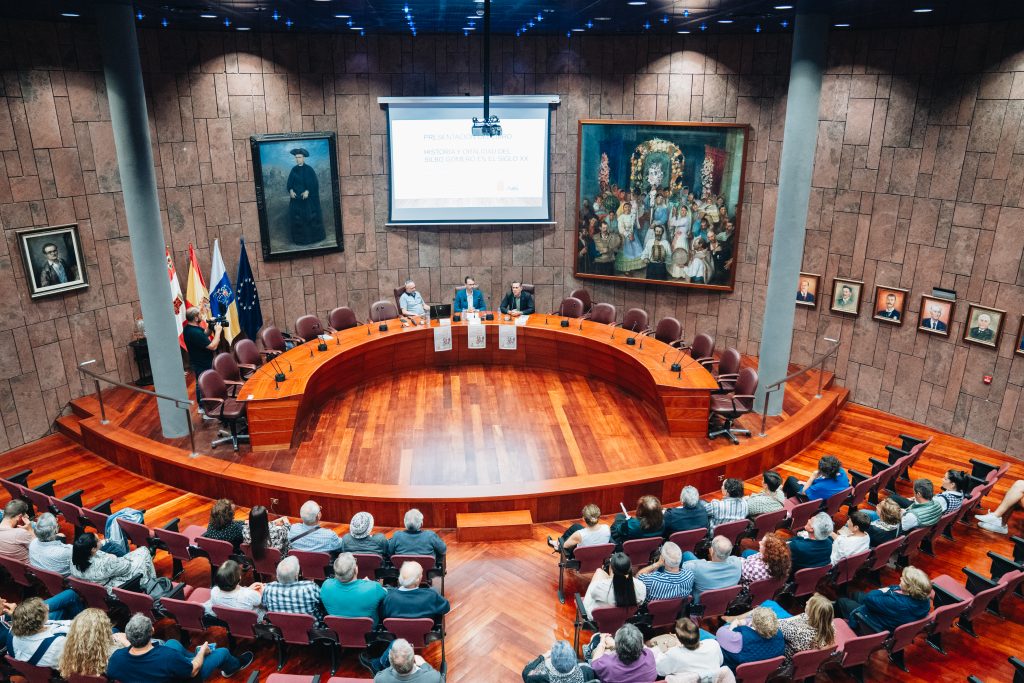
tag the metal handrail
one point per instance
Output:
(777, 385)
(184, 404)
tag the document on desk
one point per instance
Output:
(508, 336)
(477, 336)
(442, 339)
(522, 320)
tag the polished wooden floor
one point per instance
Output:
(505, 608)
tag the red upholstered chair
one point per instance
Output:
(313, 565)
(663, 613)
(727, 408)
(92, 594)
(275, 341)
(602, 620)
(703, 349)
(764, 589)
(31, 672)
(601, 313)
(805, 581)
(383, 310)
(247, 356)
(801, 512)
(943, 619)
(985, 591)
(218, 404)
(570, 307)
(640, 549)
(688, 540)
(419, 632)
(40, 499)
(367, 564)
(807, 663)
(714, 603)
(835, 501)
(846, 569)
(728, 369)
(188, 613)
(241, 623)
(342, 318)
(584, 297)
(216, 550)
(181, 545)
(669, 331)
(768, 522)
(759, 672)
(140, 535)
(225, 365)
(731, 530)
(266, 564)
(398, 295)
(299, 678)
(308, 327)
(903, 637)
(635, 321)
(53, 582)
(913, 544)
(71, 512)
(17, 571)
(856, 650)
(80, 678)
(431, 568)
(293, 629)
(351, 632)
(881, 554)
(138, 603)
(583, 561)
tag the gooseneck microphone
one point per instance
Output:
(280, 376)
(665, 355)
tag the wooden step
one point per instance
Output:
(71, 427)
(494, 526)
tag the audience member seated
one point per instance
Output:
(623, 659)
(811, 630)
(48, 550)
(406, 665)
(594, 533)
(412, 601)
(361, 539)
(228, 593)
(751, 640)
(415, 540)
(829, 479)
(618, 589)
(148, 662)
(685, 651)
(720, 570)
(345, 595)
(559, 665)
(90, 563)
(16, 531)
(690, 515)
(852, 538)
(223, 526)
(925, 510)
(89, 643)
(288, 594)
(954, 487)
(812, 547)
(37, 639)
(261, 533)
(309, 535)
(731, 507)
(771, 497)
(996, 521)
(886, 608)
(666, 578)
(648, 522)
(771, 561)
(885, 523)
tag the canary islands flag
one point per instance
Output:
(249, 311)
(222, 296)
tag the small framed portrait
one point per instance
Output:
(298, 197)
(936, 315)
(807, 290)
(983, 325)
(890, 304)
(846, 295)
(1018, 346)
(53, 260)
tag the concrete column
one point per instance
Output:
(123, 74)
(795, 170)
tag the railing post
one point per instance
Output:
(764, 413)
(821, 372)
(191, 431)
(99, 397)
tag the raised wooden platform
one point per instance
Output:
(463, 439)
(493, 526)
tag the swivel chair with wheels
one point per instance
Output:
(727, 408)
(218, 404)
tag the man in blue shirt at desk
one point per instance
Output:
(470, 298)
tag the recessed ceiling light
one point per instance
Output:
(783, 7)
(70, 15)
(578, 30)
(469, 28)
(841, 25)
(922, 10)
(682, 32)
(637, 3)
(725, 21)
(207, 15)
(342, 16)
(602, 18)
(356, 28)
(241, 28)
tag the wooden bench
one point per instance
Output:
(494, 526)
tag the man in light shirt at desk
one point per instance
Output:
(411, 301)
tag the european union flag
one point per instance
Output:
(250, 316)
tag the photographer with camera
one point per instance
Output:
(200, 346)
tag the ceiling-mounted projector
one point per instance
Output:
(489, 126)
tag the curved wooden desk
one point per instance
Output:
(276, 410)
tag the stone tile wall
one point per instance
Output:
(918, 181)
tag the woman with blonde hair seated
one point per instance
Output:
(811, 630)
(751, 640)
(887, 608)
(90, 642)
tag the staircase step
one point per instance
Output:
(71, 427)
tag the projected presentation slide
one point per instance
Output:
(442, 173)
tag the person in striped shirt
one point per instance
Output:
(731, 507)
(666, 578)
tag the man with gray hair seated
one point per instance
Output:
(666, 578)
(415, 540)
(691, 515)
(48, 550)
(812, 547)
(406, 665)
(309, 535)
(411, 301)
(344, 595)
(720, 570)
(288, 594)
(148, 662)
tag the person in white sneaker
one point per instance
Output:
(994, 521)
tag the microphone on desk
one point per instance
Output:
(632, 340)
(690, 362)
(280, 376)
(581, 324)
(664, 355)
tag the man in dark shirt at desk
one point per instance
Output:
(517, 302)
(200, 347)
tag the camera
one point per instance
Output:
(217, 320)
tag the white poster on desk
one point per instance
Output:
(507, 337)
(442, 339)
(477, 336)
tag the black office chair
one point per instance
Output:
(727, 408)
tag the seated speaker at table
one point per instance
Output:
(469, 298)
(518, 301)
(411, 301)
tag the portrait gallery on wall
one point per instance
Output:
(659, 202)
(53, 260)
(297, 193)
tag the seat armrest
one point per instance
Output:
(980, 469)
(172, 525)
(909, 442)
(895, 453)
(976, 582)
(75, 497)
(46, 487)
(105, 507)
(857, 477)
(1001, 565)
(942, 598)
(21, 477)
(1018, 549)
(581, 611)
(877, 466)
